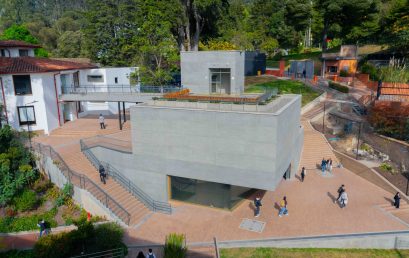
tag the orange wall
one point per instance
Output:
(352, 64)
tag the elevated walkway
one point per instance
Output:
(114, 93)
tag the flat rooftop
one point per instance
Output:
(275, 106)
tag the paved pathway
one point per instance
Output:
(311, 204)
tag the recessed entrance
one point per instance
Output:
(208, 193)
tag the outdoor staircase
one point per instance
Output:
(77, 161)
(316, 149)
(402, 213)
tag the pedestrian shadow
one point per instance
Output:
(298, 177)
(389, 200)
(330, 195)
(277, 206)
(252, 207)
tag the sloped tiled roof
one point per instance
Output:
(18, 65)
(17, 43)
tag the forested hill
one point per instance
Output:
(150, 33)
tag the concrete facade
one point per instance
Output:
(196, 65)
(249, 149)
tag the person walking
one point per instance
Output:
(41, 225)
(102, 174)
(323, 165)
(396, 199)
(344, 199)
(303, 173)
(101, 120)
(258, 204)
(340, 190)
(329, 165)
(150, 254)
(283, 207)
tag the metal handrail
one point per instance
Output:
(118, 88)
(118, 252)
(83, 182)
(148, 201)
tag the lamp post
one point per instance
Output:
(28, 122)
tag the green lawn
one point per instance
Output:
(285, 87)
(311, 252)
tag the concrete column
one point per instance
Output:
(119, 115)
(123, 111)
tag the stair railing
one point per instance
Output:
(148, 201)
(83, 182)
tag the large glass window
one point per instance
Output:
(220, 80)
(211, 194)
(22, 84)
(26, 115)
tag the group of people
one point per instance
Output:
(326, 165)
(150, 254)
(283, 207)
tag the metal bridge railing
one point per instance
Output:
(119, 88)
(83, 182)
(148, 201)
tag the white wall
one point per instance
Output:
(108, 74)
(14, 52)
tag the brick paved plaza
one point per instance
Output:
(311, 204)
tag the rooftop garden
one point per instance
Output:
(285, 87)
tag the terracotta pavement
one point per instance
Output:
(310, 203)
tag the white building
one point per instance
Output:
(30, 87)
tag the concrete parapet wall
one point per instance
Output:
(387, 240)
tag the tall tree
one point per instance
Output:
(347, 19)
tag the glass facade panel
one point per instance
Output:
(220, 80)
(208, 193)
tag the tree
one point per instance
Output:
(109, 30)
(16, 169)
(20, 32)
(70, 44)
(397, 27)
(200, 18)
(346, 19)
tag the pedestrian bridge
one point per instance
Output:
(115, 93)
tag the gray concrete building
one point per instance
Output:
(210, 153)
(214, 72)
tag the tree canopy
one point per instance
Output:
(149, 33)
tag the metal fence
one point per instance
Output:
(118, 88)
(113, 253)
(83, 182)
(150, 203)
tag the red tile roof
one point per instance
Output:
(17, 43)
(17, 65)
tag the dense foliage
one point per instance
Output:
(150, 33)
(16, 165)
(86, 239)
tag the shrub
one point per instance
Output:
(26, 201)
(17, 254)
(371, 70)
(86, 238)
(386, 167)
(338, 87)
(41, 185)
(343, 73)
(175, 246)
(395, 72)
(10, 224)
